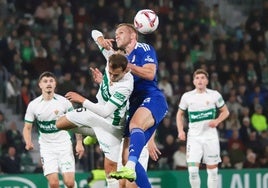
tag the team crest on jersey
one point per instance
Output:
(56, 112)
(147, 100)
(119, 96)
(220, 100)
(207, 102)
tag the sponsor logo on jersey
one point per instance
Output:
(149, 59)
(202, 115)
(119, 96)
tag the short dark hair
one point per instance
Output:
(201, 71)
(46, 74)
(118, 60)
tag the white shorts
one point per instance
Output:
(144, 157)
(57, 159)
(109, 136)
(206, 148)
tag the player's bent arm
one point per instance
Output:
(27, 135)
(102, 110)
(146, 72)
(180, 123)
(224, 113)
(103, 44)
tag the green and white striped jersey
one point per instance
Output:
(201, 108)
(45, 113)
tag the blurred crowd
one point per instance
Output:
(39, 35)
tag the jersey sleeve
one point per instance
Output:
(106, 53)
(219, 100)
(117, 100)
(183, 103)
(149, 54)
(121, 95)
(29, 115)
(69, 105)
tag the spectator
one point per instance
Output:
(251, 160)
(166, 87)
(11, 162)
(263, 138)
(169, 147)
(258, 120)
(14, 138)
(41, 14)
(224, 135)
(66, 84)
(263, 161)
(54, 11)
(226, 162)
(233, 105)
(179, 157)
(2, 122)
(165, 128)
(245, 130)
(254, 143)
(236, 150)
(13, 92)
(3, 140)
(232, 122)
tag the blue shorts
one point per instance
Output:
(158, 106)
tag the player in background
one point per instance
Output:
(56, 148)
(148, 105)
(144, 157)
(206, 109)
(107, 116)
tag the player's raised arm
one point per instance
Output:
(105, 45)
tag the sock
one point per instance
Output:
(112, 183)
(95, 175)
(212, 178)
(194, 177)
(137, 142)
(142, 178)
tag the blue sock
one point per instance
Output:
(137, 142)
(142, 178)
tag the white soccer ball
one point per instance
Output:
(146, 21)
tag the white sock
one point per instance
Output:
(112, 183)
(212, 178)
(194, 177)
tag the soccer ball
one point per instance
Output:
(146, 21)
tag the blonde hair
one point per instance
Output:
(131, 28)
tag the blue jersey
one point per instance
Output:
(141, 55)
(146, 92)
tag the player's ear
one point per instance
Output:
(133, 35)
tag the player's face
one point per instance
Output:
(122, 37)
(47, 84)
(116, 74)
(200, 82)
